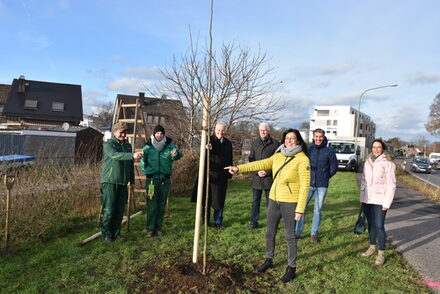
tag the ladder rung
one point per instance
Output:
(137, 163)
(140, 190)
(138, 150)
(139, 177)
(130, 120)
(128, 105)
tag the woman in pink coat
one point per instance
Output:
(378, 186)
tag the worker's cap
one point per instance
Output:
(119, 127)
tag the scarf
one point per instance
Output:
(289, 151)
(158, 145)
(373, 158)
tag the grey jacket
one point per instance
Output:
(260, 150)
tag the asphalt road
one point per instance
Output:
(433, 178)
(413, 225)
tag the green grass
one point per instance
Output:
(333, 265)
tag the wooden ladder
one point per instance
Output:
(133, 116)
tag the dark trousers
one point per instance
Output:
(113, 200)
(275, 212)
(156, 205)
(376, 224)
(256, 204)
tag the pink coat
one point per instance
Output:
(378, 183)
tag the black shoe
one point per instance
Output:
(252, 226)
(265, 266)
(108, 239)
(289, 275)
(120, 238)
(218, 226)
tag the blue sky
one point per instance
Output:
(324, 52)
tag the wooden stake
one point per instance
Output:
(9, 183)
(93, 237)
(130, 196)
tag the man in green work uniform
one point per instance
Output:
(156, 163)
(117, 172)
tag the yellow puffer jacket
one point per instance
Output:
(292, 182)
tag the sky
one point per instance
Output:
(323, 52)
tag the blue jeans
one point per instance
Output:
(376, 224)
(218, 215)
(256, 204)
(320, 194)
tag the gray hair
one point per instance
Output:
(264, 125)
(221, 123)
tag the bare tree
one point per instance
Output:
(240, 87)
(419, 140)
(433, 125)
(102, 116)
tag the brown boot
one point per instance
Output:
(380, 258)
(370, 251)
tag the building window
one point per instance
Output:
(335, 122)
(30, 104)
(57, 106)
(156, 119)
(162, 120)
(329, 122)
(323, 112)
(335, 133)
(149, 119)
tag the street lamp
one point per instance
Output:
(359, 112)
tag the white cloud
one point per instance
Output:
(424, 78)
(335, 69)
(143, 72)
(402, 120)
(129, 85)
(92, 99)
(297, 110)
(353, 99)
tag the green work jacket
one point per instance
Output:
(159, 164)
(117, 167)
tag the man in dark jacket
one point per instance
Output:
(220, 157)
(117, 172)
(261, 148)
(323, 165)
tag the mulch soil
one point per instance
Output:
(187, 277)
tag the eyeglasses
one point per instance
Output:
(290, 138)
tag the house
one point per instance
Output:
(167, 112)
(42, 103)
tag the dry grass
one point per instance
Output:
(420, 186)
(45, 198)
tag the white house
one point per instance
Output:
(339, 123)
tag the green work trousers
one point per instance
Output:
(113, 200)
(156, 205)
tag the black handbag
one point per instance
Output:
(361, 225)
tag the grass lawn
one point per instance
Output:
(333, 265)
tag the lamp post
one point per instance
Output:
(359, 112)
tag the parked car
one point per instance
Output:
(421, 165)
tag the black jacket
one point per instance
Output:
(262, 149)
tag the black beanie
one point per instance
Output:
(158, 128)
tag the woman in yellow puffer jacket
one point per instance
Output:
(288, 194)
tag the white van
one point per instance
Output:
(434, 159)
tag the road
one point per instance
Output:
(433, 178)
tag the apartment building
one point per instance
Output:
(339, 123)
